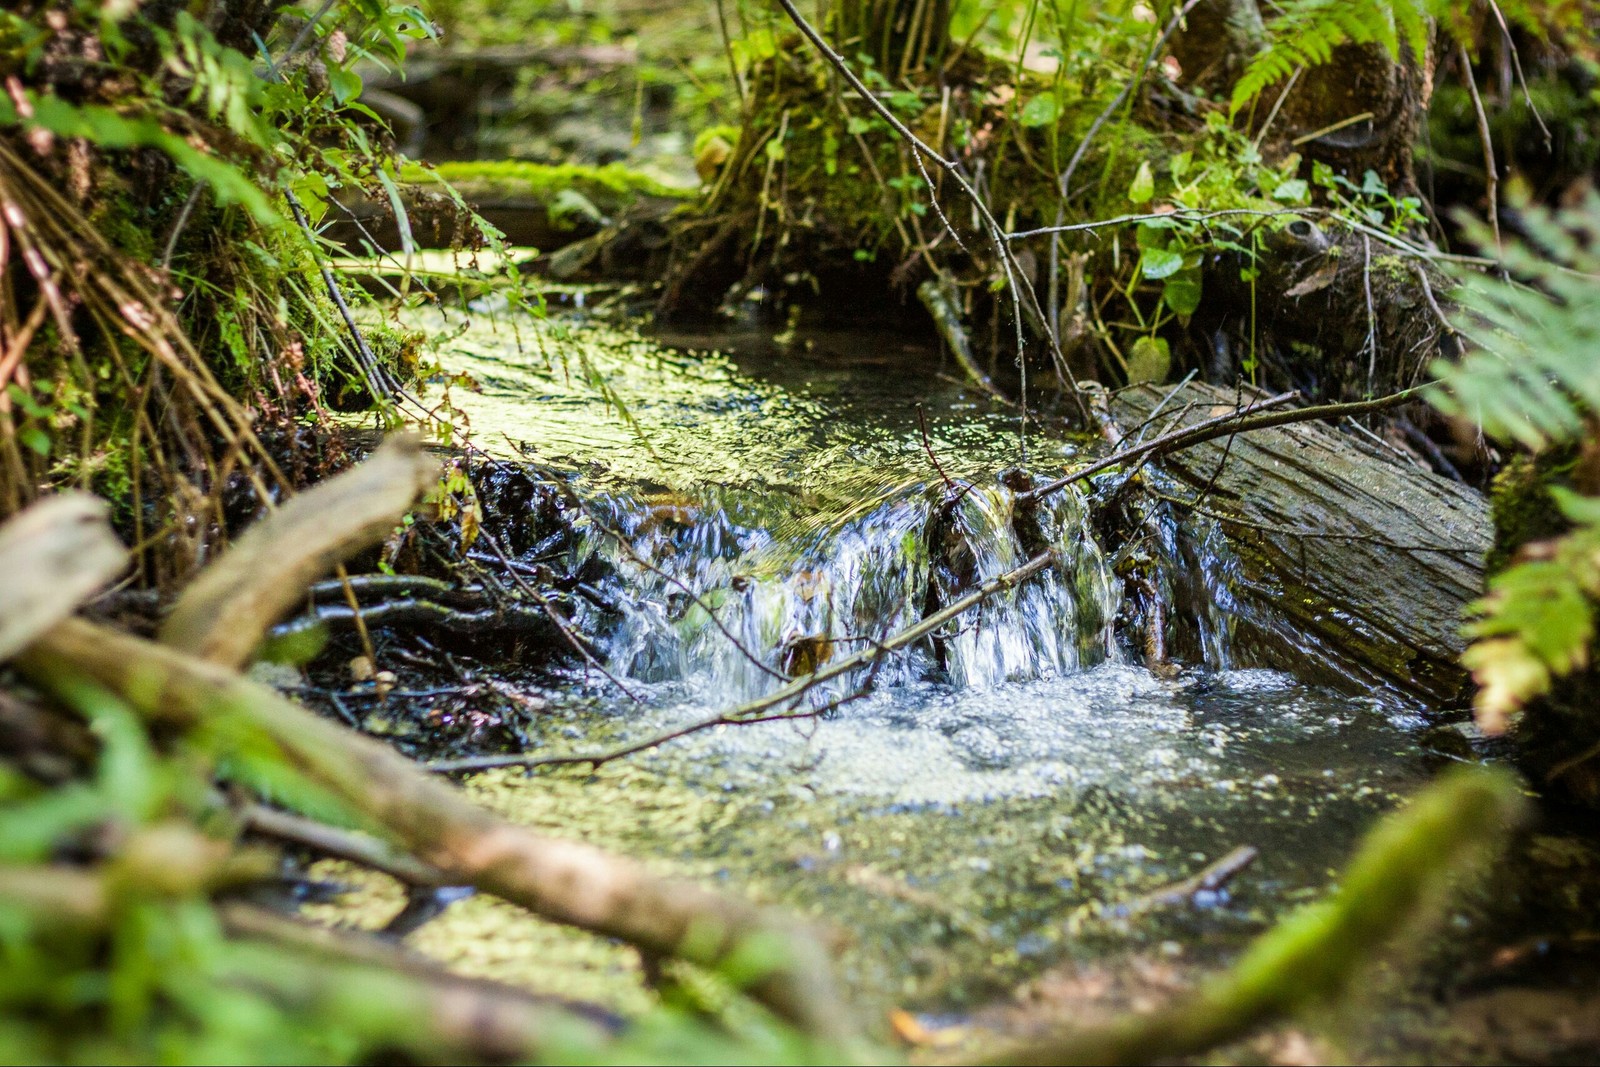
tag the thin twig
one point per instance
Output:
(1372, 317)
(183, 220)
(1277, 105)
(750, 711)
(1492, 185)
(1065, 180)
(927, 446)
(991, 225)
(1516, 64)
(555, 617)
(1255, 417)
(1179, 215)
(378, 381)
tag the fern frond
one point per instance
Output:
(1538, 621)
(1307, 31)
(1534, 374)
(1534, 377)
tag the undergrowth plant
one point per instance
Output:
(1533, 379)
(1305, 33)
(167, 322)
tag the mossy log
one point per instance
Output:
(1354, 564)
(536, 205)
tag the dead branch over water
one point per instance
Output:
(1253, 416)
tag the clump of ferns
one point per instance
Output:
(102, 388)
(1305, 33)
(1532, 378)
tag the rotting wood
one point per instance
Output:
(560, 880)
(1354, 564)
(224, 613)
(57, 553)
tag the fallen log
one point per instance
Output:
(1354, 566)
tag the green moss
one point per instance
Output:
(612, 182)
(1521, 505)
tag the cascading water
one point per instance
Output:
(1006, 786)
(705, 592)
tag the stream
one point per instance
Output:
(999, 805)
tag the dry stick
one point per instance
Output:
(349, 845)
(458, 1017)
(564, 881)
(1492, 185)
(432, 1014)
(595, 760)
(54, 555)
(223, 614)
(1181, 214)
(1210, 878)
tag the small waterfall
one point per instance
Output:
(736, 594)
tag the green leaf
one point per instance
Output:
(344, 83)
(1158, 263)
(1181, 292)
(1575, 506)
(108, 129)
(1293, 191)
(1042, 110)
(1149, 360)
(1144, 185)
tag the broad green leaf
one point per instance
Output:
(1181, 292)
(1158, 263)
(1144, 185)
(1293, 191)
(344, 83)
(1149, 360)
(1042, 110)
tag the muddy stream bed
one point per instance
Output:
(986, 836)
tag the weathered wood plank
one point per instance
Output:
(1353, 563)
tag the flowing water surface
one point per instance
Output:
(1007, 797)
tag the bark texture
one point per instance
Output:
(1351, 561)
